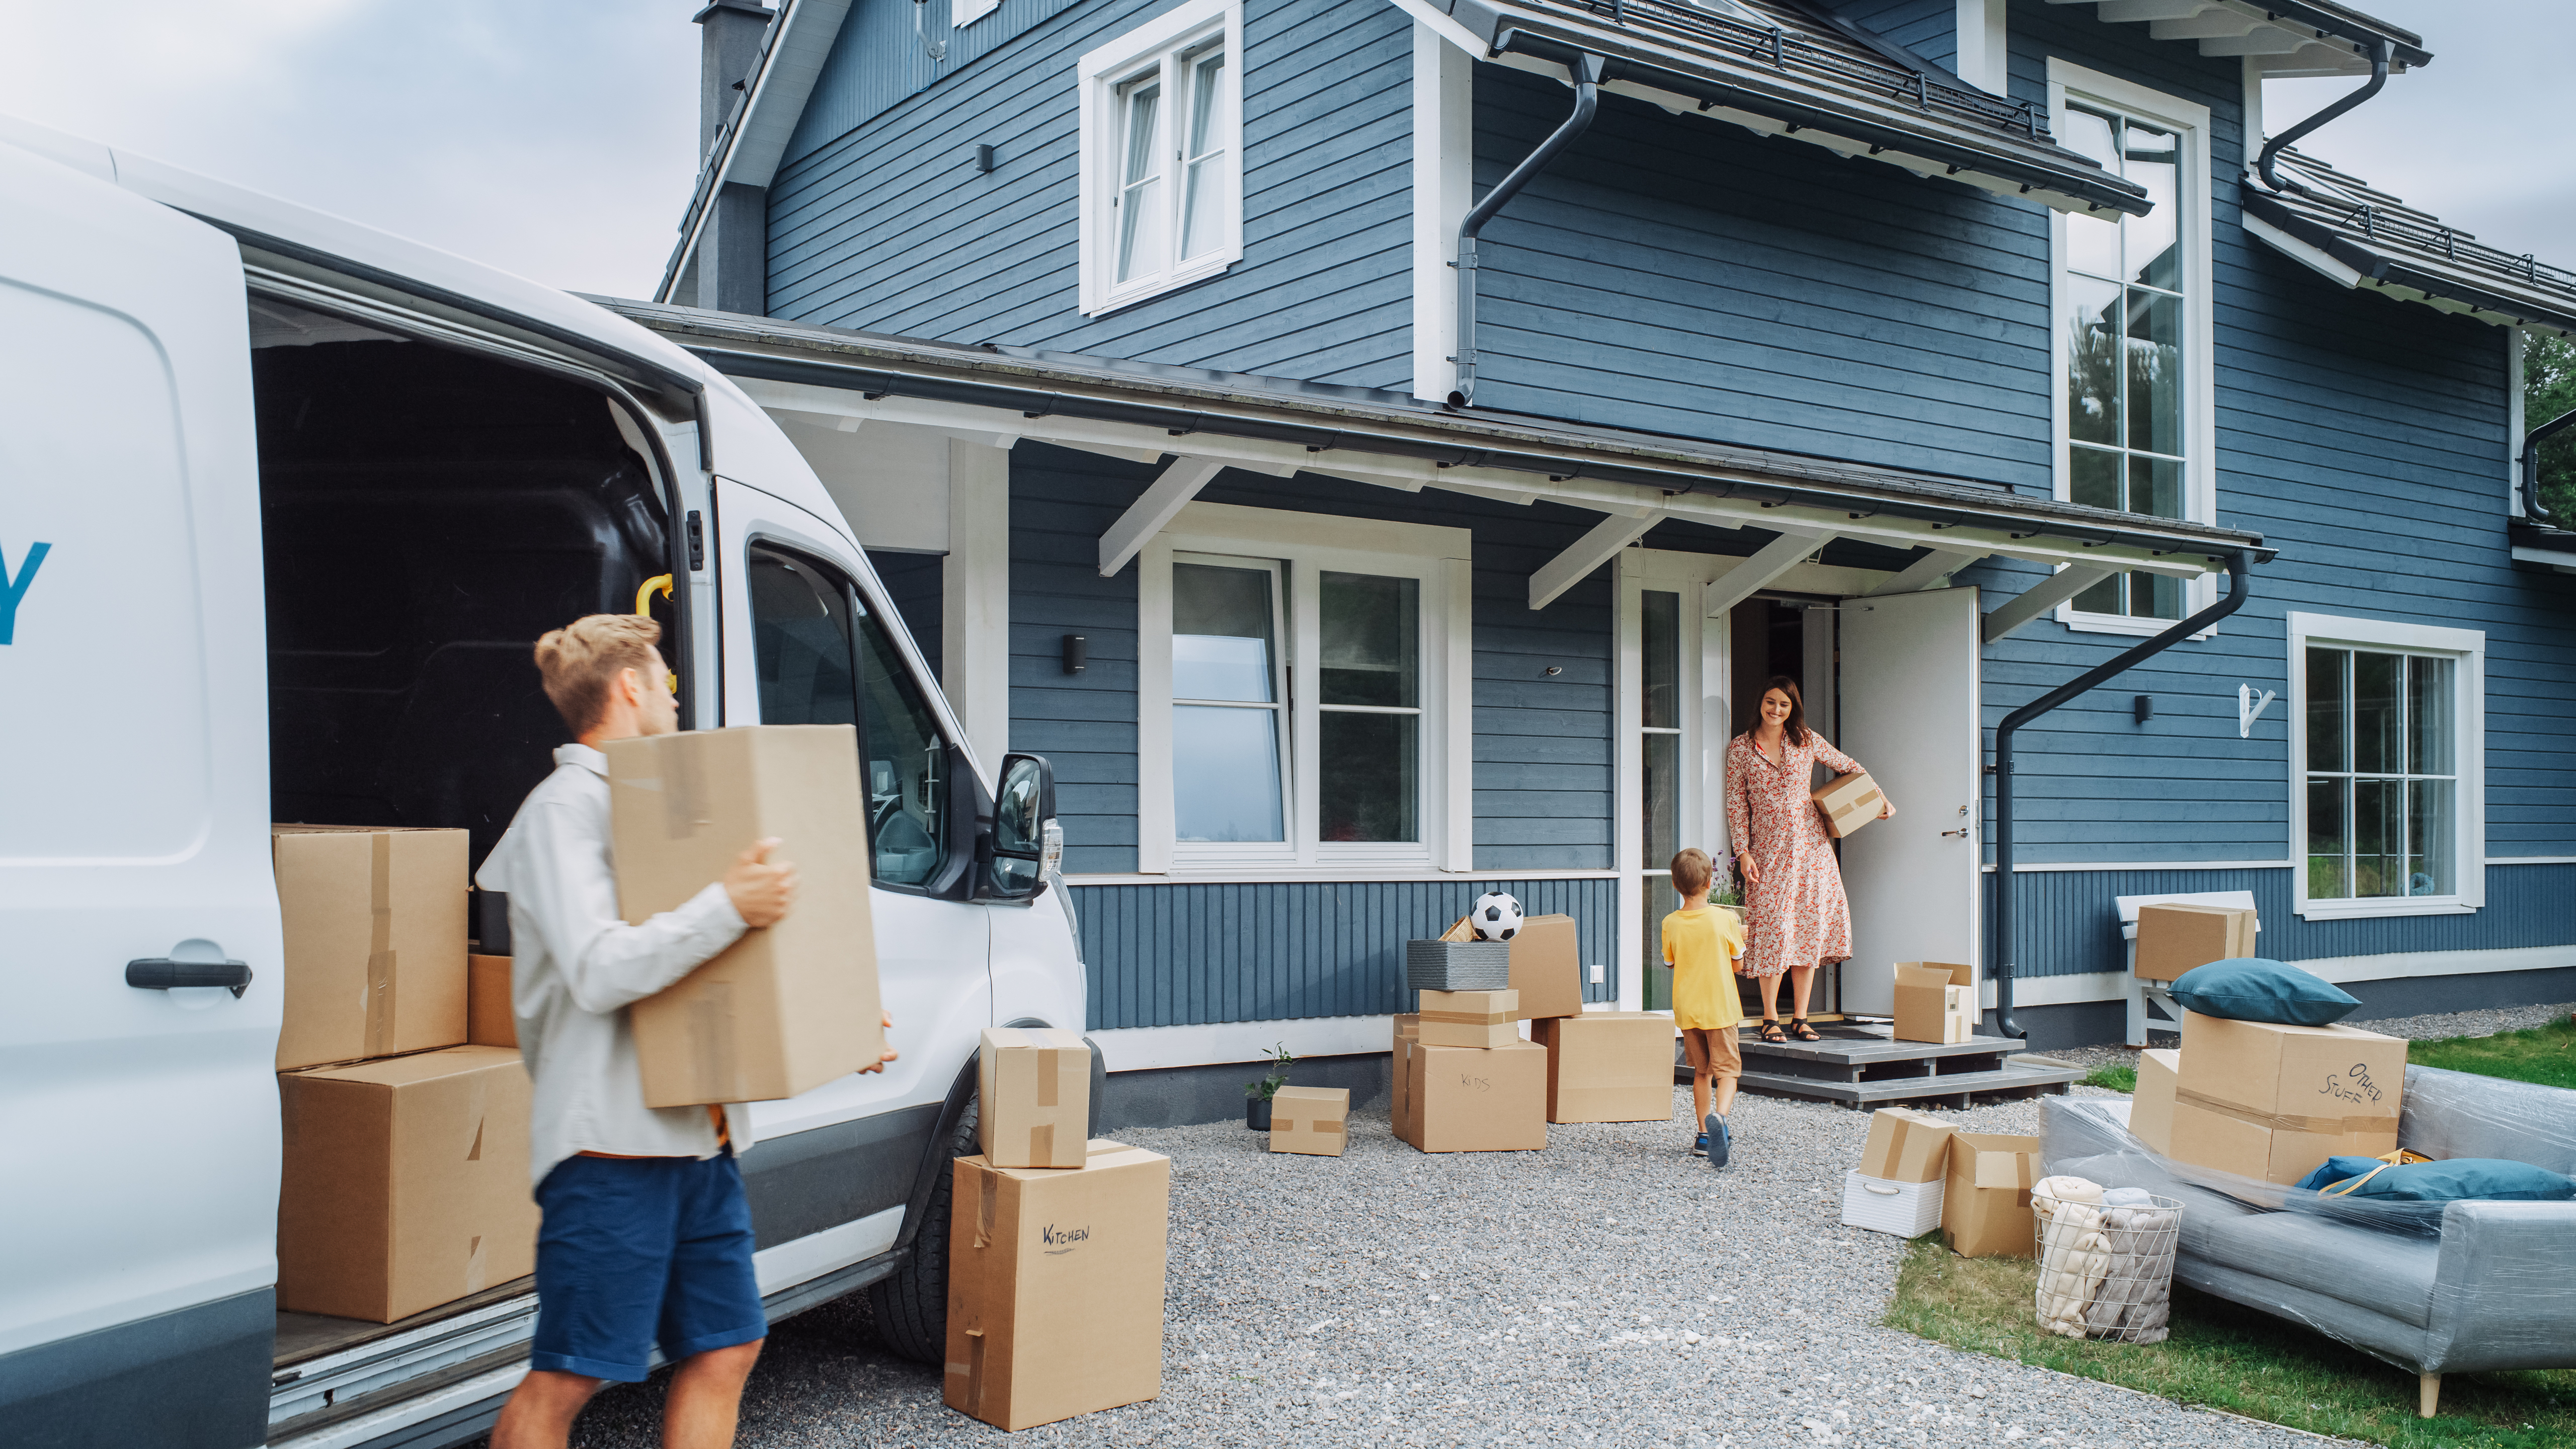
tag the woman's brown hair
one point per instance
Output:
(1795, 726)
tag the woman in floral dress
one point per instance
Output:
(1793, 889)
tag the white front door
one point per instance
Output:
(1909, 713)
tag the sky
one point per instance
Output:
(556, 138)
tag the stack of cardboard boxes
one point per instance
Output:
(1056, 1246)
(1917, 1170)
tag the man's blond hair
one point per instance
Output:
(581, 659)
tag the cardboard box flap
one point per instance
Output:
(2005, 1169)
(1906, 1146)
(404, 1071)
(1935, 973)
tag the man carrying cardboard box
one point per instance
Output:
(645, 1233)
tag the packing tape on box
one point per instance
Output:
(2286, 1121)
(711, 1023)
(478, 1268)
(1050, 1061)
(985, 1207)
(684, 789)
(1469, 1018)
(380, 945)
(1042, 1139)
(1326, 1129)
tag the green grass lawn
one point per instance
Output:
(2228, 1357)
(2116, 1077)
(2545, 1054)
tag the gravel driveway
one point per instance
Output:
(1611, 1290)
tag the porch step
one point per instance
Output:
(2021, 1077)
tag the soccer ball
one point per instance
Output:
(1497, 917)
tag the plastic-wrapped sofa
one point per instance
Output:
(2433, 1287)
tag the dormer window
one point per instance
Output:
(1162, 194)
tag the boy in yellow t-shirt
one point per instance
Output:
(1702, 943)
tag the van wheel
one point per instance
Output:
(911, 1303)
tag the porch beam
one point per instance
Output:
(2052, 591)
(1589, 552)
(1768, 562)
(1161, 503)
(1919, 574)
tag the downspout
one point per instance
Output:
(1587, 100)
(2531, 508)
(2240, 567)
(2273, 147)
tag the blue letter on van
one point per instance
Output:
(12, 590)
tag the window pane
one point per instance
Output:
(2155, 486)
(2326, 684)
(2093, 325)
(1660, 629)
(1225, 773)
(2428, 716)
(800, 643)
(907, 764)
(1221, 633)
(2430, 831)
(1367, 785)
(1659, 903)
(1140, 196)
(2326, 878)
(2092, 241)
(2151, 158)
(2155, 374)
(2094, 478)
(1200, 203)
(2378, 837)
(2376, 721)
(2153, 596)
(1370, 651)
(1205, 72)
(1663, 795)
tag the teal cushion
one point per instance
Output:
(2251, 989)
(2466, 1177)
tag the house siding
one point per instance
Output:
(1929, 28)
(887, 226)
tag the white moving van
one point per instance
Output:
(283, 503)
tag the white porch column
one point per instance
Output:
(975, 598)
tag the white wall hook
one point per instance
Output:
(2250, 709)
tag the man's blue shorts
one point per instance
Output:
(639, 1250)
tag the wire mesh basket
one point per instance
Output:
(2105, 1268)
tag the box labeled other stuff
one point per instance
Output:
(1458, 965)
(1469, 1018)
(1312, 1120)
(787, 1007)
(2264, 1100)
(2174, 937)
(2151, 1106)
(405, 1183)
(1055, 1286)
(488, 1018)
(1898, 1186)
(1936, 1001)
(1469, 1099)
(1985, 1199)
(1547, 967)
(1608, 1066)
(1035, 1086)
(375, 941)
(1848, 802)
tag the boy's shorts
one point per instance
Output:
(639, 1250)
(1725, 1052)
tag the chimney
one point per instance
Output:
(729, 42)
(732, 263)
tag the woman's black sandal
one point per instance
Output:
(1798, 1028)
(1771, 1032)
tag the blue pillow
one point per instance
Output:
(2251, 989)
(2466, 1177)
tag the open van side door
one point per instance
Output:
(139, 937)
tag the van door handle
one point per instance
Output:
(191, 963)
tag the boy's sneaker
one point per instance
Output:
(1718, 1142)
(1699, 1148)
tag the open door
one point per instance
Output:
(1909, 702)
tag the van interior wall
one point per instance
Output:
(427, 514)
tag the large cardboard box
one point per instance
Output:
(2269, 1101)
(2151, 1107)
(1608, 1066)
(1400, 1077)
(1848, 802)
(1906, 1146)
(1985, 1202)
(1469, 1099)
(375, 941)
(1468, 1018)
(1936, 1001)
(1035, 1094)
(1312, 1120)
(783, 1009)
(1055, 1286)
(405, 1183)
(488, 1018)
(2173, 938)
(1547, 968)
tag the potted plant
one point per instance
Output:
(1257, 1095)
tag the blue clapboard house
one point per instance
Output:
(1377, 448)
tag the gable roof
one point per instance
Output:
(2356, 235)
(748, 147)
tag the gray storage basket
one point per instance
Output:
(1458, 965)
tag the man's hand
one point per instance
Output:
(890, 1053)
(761, 892)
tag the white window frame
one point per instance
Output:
(1161, 45)
(1310, 544)
(2190, 120)
(2468, 649)
(962, 13)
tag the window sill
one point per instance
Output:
(2123, 624)
(1118, 301)
(2391, 906)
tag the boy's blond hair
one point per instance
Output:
(1692, 871)
(580, 660)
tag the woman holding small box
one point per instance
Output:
(1793, 890)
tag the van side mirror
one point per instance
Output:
(1025, 839)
